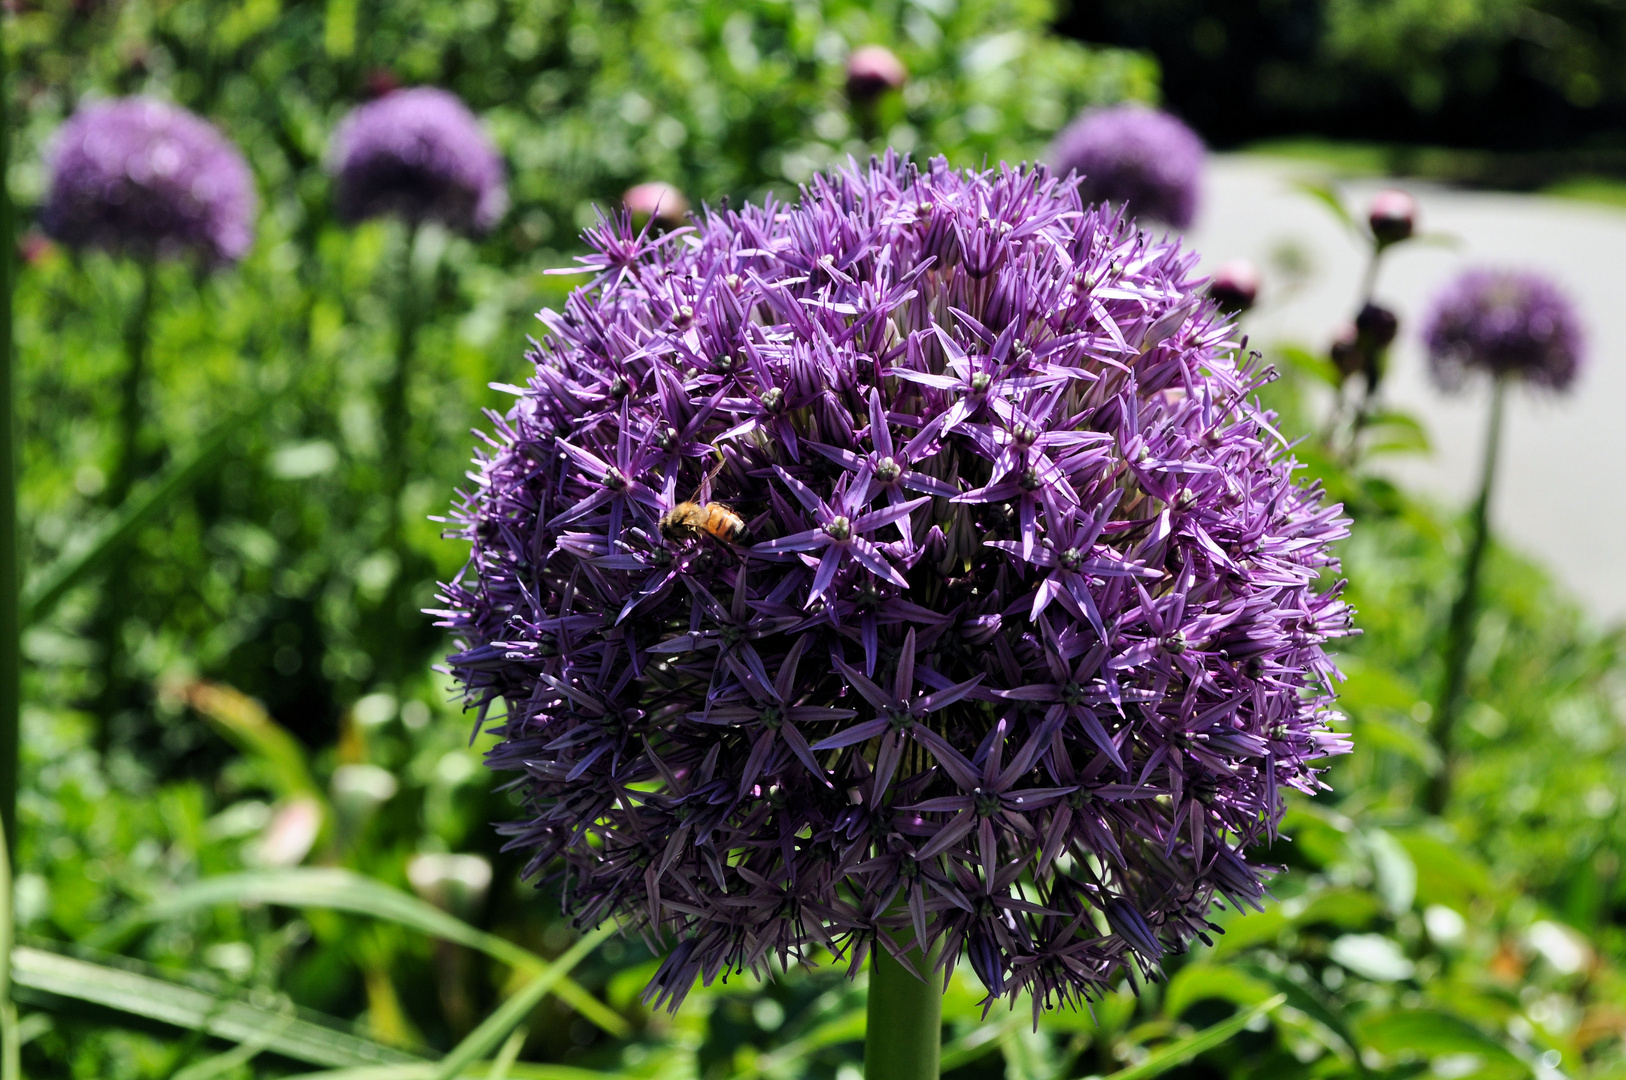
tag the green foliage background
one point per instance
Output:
(270, 661)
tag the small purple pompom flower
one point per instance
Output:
(1506, 323)
(1136, 157)
(149, 179)
(418, 154)
(910, 561)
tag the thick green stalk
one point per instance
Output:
(904, 1036)
(1459, 632)
(10, 664)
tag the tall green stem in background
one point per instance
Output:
(1459, 632)
(10, 630)
(137, 338)
(395, 404)
(397, 422)
(904, 1032)
(10, 665)
(126, 469)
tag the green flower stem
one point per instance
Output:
(116, 599)
(396, 611)
(1374, 371)
(904, 1035)
(1459, 633)
(137, 339)
(10, 629)
(397, 422)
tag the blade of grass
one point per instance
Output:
(344, 890)
(511, 1013)
(50, 980)
(477, 1071)
(504, 1061)
(10, 1040)
(1183, 1050)
(239, 1055)
(245, 723)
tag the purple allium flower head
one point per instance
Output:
(418, 154)
(1137, 157)
(1506, 323)
(149, 179)
(1022, 633)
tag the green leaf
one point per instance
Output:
(244, 723)
(232, 1059)
(477, 1071)
(1445, 874)
(1395, 433)
(1430, 1033)
(1312, 1003)
(848, 1027)
(1325, 194)
(511, 1013)
(50, 980)
(337, 889)
(1177, 1053)
(1347, 909)
(1198, 982)
(1245, 929)
(1308, 363)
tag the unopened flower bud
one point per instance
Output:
(1346, 353)
(656, 199)
(1375, 327)
(1235, 286)
(1392, 216)
(872, 70)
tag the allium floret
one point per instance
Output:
(419, 155)
(1504, 323)
(146, 178)
(1135, 157)
(1026, 632)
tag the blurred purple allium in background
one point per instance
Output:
(1505, 323)
(148, 179)
(872, 70)
(1137, 157)
(1026, 631)
(657, 199)
(418, 154)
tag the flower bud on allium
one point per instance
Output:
(1346, 352)
(1020, 638)
(872, 70)
(1519, 325)
(1375, 327)
(149, 179)
(418, 154)
(1235, 286)
(1136, 157)
(1392, 216)
(659, 200)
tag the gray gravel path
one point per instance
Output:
(1562, 496)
